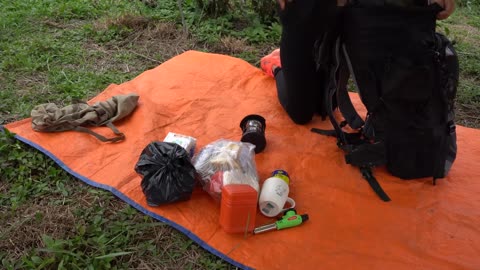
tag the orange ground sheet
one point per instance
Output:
(206, 96)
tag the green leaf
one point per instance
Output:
(447, 30)
(60, 265)
(47, 240)
(58, 251)
(48, 262)
(82, 229)
(36, 259)
(112, 255)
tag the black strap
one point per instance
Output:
(332, 89)
(345, 140)
(338, 87)
(326, 132)
(343, 98)
(372, 181)
(352, 138)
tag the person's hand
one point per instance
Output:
(282, 3)
(448, 8)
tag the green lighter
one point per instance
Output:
(289, 219)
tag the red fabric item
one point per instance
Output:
(269, 61)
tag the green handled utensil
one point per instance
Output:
(289, 219)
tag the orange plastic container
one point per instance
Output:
(238, 208)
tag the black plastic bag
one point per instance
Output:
(168, 174)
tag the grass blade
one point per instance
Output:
(115, 254)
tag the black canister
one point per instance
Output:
(253, 128)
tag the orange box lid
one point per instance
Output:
(239, 193)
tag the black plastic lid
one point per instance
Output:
(256, 139)
(253, 117)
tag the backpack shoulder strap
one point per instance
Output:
(343, 98)
(358, 152)
(337, 88)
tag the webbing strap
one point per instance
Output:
(338, 86)
(120, 136)
(343, 98)
(338, 70)
(114, 128)
(372, 181)
(332, 91)
(366, 171)
(326, 132)
(352, 138)
(350, 111)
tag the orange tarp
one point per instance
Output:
(206, 96)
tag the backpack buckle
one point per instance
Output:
(451, 127)
(367, 155)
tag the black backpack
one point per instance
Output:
(406, 75)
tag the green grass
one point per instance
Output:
(43, 51)
(464, 29)
(59, 51)
(58, 222)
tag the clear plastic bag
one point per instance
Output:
(225, 162)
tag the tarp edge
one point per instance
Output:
(130, 202)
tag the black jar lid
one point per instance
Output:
(254, 134)
(251, 117)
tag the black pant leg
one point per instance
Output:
(303, 23)
(281, 87)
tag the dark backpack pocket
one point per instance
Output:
(418, 94)
(411, 153)
(407, 80)
(407, 89)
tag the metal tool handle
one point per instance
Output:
(265, 228)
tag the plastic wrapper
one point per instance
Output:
(225, 162)
(167, 171)
(184, 141)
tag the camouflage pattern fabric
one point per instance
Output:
(49, 117)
